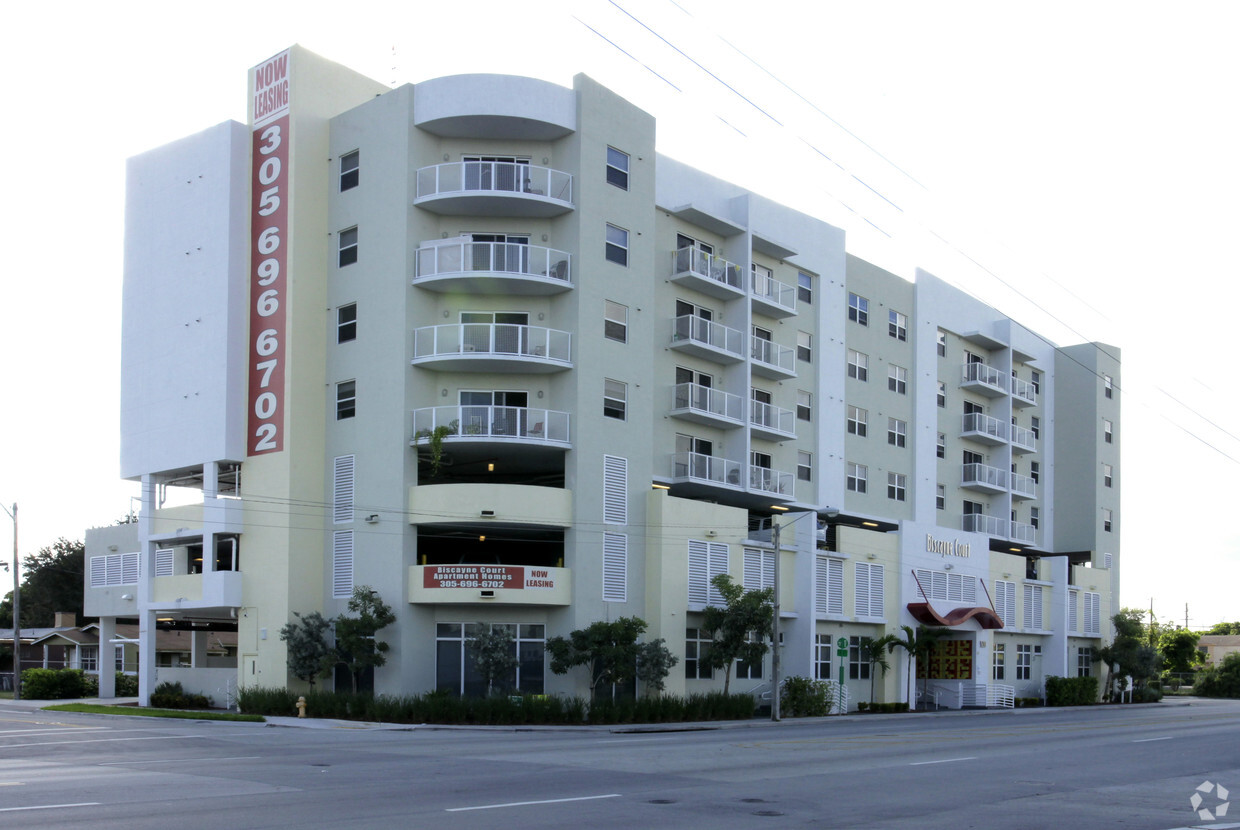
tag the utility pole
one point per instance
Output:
(775, 679)
(17, 612)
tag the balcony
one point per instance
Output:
(773, 482)
(491, 424)
(706, 469)
(494, 188)
(703, 405)
(771, 360)
(467, 267)
(1023, 393)
(706, 339)
(1023, 533)
(981, 523)
(983, 379)
(492, 347)
(469, 584)
(1023, 440)
(771, 422)
(771, 297)
(1023, 487)
(984, 478)
(983, 429)
(696, 269)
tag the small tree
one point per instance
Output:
(654, 664)
(494, 651)
(609, 649)
(875, 654)
(1129, 653)
(356, 646)
(739, 630)
(916, 644)
(309, 655)
(1178, 648)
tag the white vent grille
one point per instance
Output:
(829, 586)
(615, 490)
(164, 561)
(1033, 607)
(869, 590)
(615, 567)
(342, 489)
(706, 561)
(342, 564)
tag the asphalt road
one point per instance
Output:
(1102, 767)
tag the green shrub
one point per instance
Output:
(1222, 680)
(172, 696)
(863, 705)
(58, 684)
(806, 698)
(1146, 694)
(1071, 691)
(126, 684)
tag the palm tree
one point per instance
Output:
(917, 644)
(876, 656)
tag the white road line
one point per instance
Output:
(50, 806)
(527, 803)
(944, 761)
(103, 740)
(52, 729)
(1147, 740)
(176, 761)
(627, 740)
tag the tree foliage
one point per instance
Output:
(1178, 648)
(608, 649)
(917, 645)
(52, 580)
(1130, 652)
(876, 652)
(1222, 680)
(741, 629)
(494, 650)
(357, 647)
(309, 654)
(654, 664)
(1225, 628)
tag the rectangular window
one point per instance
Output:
(1035, 380)
(868, 599)
(804, 405)
(896, 486)
(1108, 430)
(615, 322)
(617, 249)
(617, 168)
(940, 449)
(942, 343)
(897, 379)
(456, 670)
(1107, 385)
(823, 649)
(89, 658)
(805, 287)
(829, 585)
(1106, 519)
(1034, 517)
(1024, 662)
(1107, 470)
(897, 432)
(804, 466)
(615, 397)
(615, 490)
(349, 170)
(858, 365)
(859, 658)
(940, 497)
(997, 661)
(697, 654)
(342, 564)
(615, 567)
(805, 347)
(1084, 661)
(1035, 426)
(348, 247)
(346, 323)
(1035, 471)
(343, 480)
(346, 399)
(857, 474)
(897, 325)
(858, 309)
(942, 400)
(857, 421)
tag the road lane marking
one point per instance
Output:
(102, 740)
(12, 783)
(50, 806)
(944, 761)
(527, 803)
(176, 761)
(1148, 740)
(55, 729)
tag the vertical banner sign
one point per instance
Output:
(268, 254)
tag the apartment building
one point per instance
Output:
(472, 342)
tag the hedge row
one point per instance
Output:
(1071, 691)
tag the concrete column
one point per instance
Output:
(198, 649)
(107, 657)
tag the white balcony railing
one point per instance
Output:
(981, 523)
(975, 475)
(495, 177)
(703, 399)
(492, 339)
(1023, 392)
(503, 258)
(695, 329)
(975, 424)
(1023, 486)
(699, 467)
(772, 354)
(1023, 533)
(772, 292)
(770, 481)
(1022, 439)
(980, 374)
(491, 422)
(772, 418)
(693, 260)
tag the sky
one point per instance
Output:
(1072, 164)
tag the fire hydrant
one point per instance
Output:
(301, 706)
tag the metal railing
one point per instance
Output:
(482, 422)
(1023, 437)
(709, 333)
(981, 523)
(693, 260)
(495, 177)
(1023, 485)
(773, 291)
(985, 475)
(985, 424)
(770, 481)
(772, 417)
(1024, 390)
(772, 354)
(467, 257)
(1023, 533)
(999, 694)
(699, 398)
(695, 465)
(984, 374)
(499, 339)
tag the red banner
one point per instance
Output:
(487, 576)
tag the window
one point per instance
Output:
(1005, 602)
(457, 673)
(1106, 475)
(805, 465)
(617, 168)
(858, 309)
(805, 287)
(1108, 430)
(346, 323)
(1035, 426)
(829, 585)
(857, 421)
(1106, 519)
(1024, 662)
(859, 658)
(897, 379)
(823, 649)
(1107, 385)
(897, 432)
(857, 477)
(897, 325)
(1084, 661)
(615, 567)
(942, 343)
(997, 661)
(88, 658)
(1035, 380)
(615, 394)
(119, 658)
(617, 249)
(858, 365)
(346, 399)
(940, 497)
(349, 170)
(942, 400)
(804, 405)
(348, 247)
(697, 654)
(615, 321)
(1035, 516)
(1035, 471)
(805, 347)
(940, 449)
(749, 671)
(896, 486)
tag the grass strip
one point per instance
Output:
(147, 712)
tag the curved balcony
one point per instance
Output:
(703, 405)
(706, 339)
(771, 423)
(492, 347)
(694, 268)
(494, 188)
(491, 424)
(771, 360)
(468, 267)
